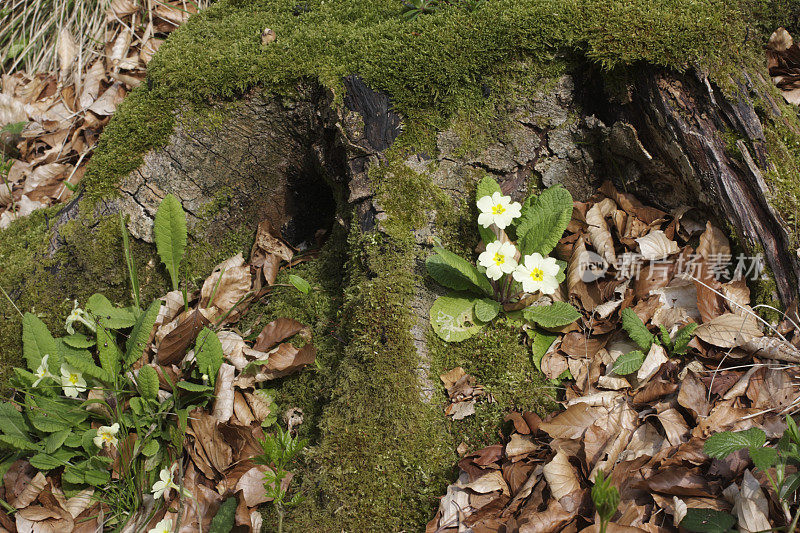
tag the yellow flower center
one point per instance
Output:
(73, 378)
(537, 274)
(108, 437)
(498, 209)
(499, 259)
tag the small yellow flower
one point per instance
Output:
(499, 258)
(165, 526)
(72, 381)
(43, 372)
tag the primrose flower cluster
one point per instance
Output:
(534, 272)
(71, 379)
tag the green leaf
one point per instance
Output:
(36, 341)
(456, 273)
(540, 343)
(12, 423)
(486, 187)
(552, 316)
(151, 448)
(486, 309)
(85, 365)
(707, 521)
(208, 353)
(666, 342)
(45, 462)
(628, 363)
(789, 486)
(170, 235)
(17, 443)
(148, 382)
(97, 478)
(107, 314)
(78, 340)
(140, 334)
(453, 318)
(108, 353)
(48, 424)
(75, 473)
(14, 128)
(721, 445)
(636, 329)
(223, 521)
(193, 387)
(682, 338)
(299, 283)
(54, 441)
(763, 458)
(542, 225)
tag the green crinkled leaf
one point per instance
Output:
(486, 310)
(193, 387)
(456, 273)
(85, 365)
(148, 382)
(170, 235)
(486, 187)
(721, 445)
(628, 363)
(140, 334)
(108, 352)
(683, 337)
(36, 341)
(453, 318)
(542, 224)
(18, 444)
(223, 521)
(54, 413)
(78, 340)
(45, 462)
(540, 343)
(208, 353)
(97, 478)
(552, 316)
(75, 474)
(299, 283)
(636, 329)
(12, 423)
(54, 441)
(707, 521)
(151, 448)
(107, 314)
(764, 457)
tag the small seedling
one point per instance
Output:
(279, 451)
(606, 499)
(632, 361)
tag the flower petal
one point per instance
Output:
(484, 203)
(549, 285)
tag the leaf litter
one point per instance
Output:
(645, 429)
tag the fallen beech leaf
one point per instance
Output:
(656, 357)
(108, 102)
(241, 409)
(752, 507)
(692, 396)
(252, 486)
(675, 427)
(490, 482)
(520, 445)
(30, 492)
(561, 476)
(572, 423)
(714, 246)
(67, 49)
(174, 345)
(729, 330)
(277, 331)
(656, 246)
(551, 520)
(229, 283)
(287, 359)
(233, 346)
(205, 430)
(223, 405)
(576, 344)
(599, 235)
(645, 441)
(772, 348)
(460, 410)
(679, 481)
(259, 405)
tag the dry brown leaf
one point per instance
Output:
(572, 423)
(729, 330)
(675, 427)
(30, 492)
(242, 410)
(520, 445)
(174, 345)
(108, 102)
(656, 246)
(277, 331)
(551, 520)
(228, 284)
(490, 482)
(205, 430)
(252, 486)
(233, 347)
(772, 348)
(752, 507)
(67, 50)
(287, 359)
(599, 235)
(693, 396)
(714, 246)
(656, 357)
(223, 405)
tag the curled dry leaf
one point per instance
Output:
(490, 482)
(752, 507)
(228, 285)
(175, 344)
(599, 235)
(67, 51)
(729, 330)
(656, 357)
(252, 486)
(277, 331)
(233, 347)
(714, 246)
(772, 348)
(223, 405)
(560, 476)
(656, 246)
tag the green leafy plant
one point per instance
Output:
(784, 482)
(414, 8)
(509, 278)
(170, 236)
(632, 361)
(279, 451)
(605, 497)
(85, 379)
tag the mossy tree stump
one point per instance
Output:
(350, 153)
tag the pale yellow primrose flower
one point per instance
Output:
(498, 210)
(499, 259)
(106, 435)
(72, 381)
(537, 273)
(165, 483)
(165, 526)
(42, 372)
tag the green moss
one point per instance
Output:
(783, 143)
